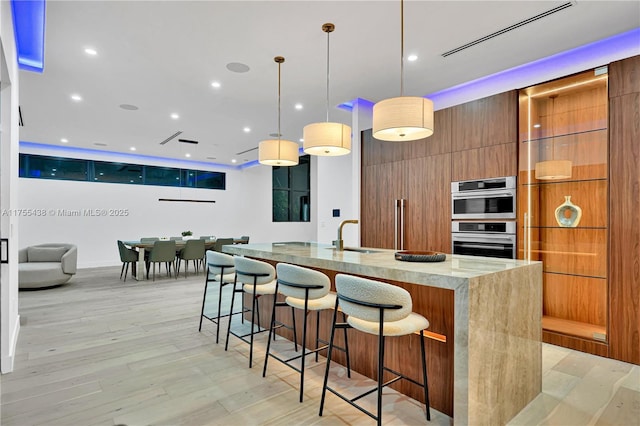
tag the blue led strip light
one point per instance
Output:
(28, 25)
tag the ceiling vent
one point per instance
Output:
(510, 28)
(188, 141)
(245, 151)
(179, 132)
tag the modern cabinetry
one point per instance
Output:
(624, 210)
(475, 140)
(563, 152)
(406, 203)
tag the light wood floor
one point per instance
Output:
(99, 351)
(102, 352)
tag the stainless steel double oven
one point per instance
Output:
(483, 217)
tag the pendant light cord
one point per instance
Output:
(328, 32)
(401, 48)
(279, 64)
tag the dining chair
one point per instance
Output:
(176, 238)
(127, 256)
(162, 251)
(193, 250)
(149, 239)
(217, 246)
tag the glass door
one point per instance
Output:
(563, 199)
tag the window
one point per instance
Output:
(291, 192)
(117, 172)
(43, 167)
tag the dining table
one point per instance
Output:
(141, 247)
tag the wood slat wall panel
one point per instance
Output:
(624, 285)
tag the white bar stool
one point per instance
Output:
(257, 279)
(221, 269)
(384, 310)
(308, 290)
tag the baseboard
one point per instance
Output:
(6, 364)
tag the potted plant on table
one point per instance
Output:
(187, 235)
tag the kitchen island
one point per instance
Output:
(484, 353)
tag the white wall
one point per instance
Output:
(339, 184)
(10, 320)
(244, 208)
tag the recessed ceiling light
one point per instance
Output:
(215, 84)
(64, 140)
(128, 107)
(412, 58)
(233, 160)
(298, 106)
(133, 148)
(175, 116)
(187, 155)
(247, 129)
(90, 51)
(76, 98)
(237, 67)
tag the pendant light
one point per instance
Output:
(278, 152)
(405, 118)
(327, 139)
(553, 169)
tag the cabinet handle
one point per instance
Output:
(526, 235)
(402, 200)
(395, 224)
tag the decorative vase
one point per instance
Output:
(568, 214)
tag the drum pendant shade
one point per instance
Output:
(405, 118)
(274, 152)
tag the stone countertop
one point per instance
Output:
(453, 272)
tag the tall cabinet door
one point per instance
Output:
(383, 184)
(563, 205)
(427, 224)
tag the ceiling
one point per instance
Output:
(162, 56)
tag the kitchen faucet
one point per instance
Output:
(339, 243)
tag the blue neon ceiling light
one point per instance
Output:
(34, 147)
(28, 27)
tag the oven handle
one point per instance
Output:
(483, 239)
(481, 246)
(486, 195)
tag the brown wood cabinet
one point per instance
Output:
(591, 295)
(624, 210)
(421, 172)
(566, 120)
(592, 272)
